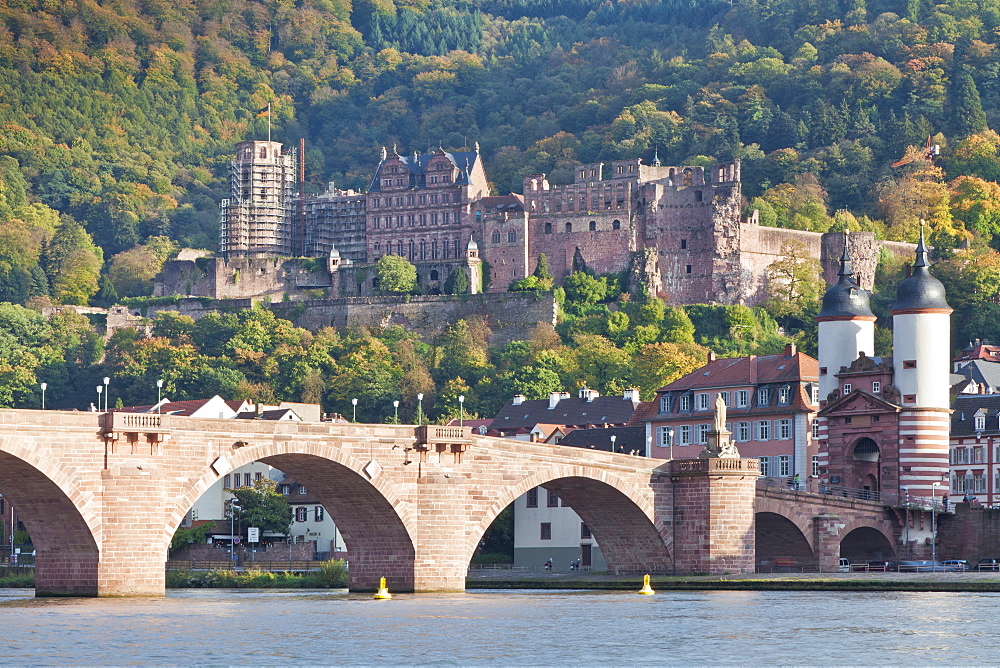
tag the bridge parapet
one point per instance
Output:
(128, 426)
(714, 465)
(441, 439)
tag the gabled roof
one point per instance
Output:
(273, 414)
(570, 411)
(463, 161)
(753, 370)
(964, 409)
(845, 403)
(981, 371)
(627, 439)
(979, 351)
(214, 407)
(501, 203)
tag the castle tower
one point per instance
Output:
(921, 324)
(256, 219)
(846, 327)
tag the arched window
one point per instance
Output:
(434, 275)
(592, 225)
(548, 228)
(512, 236)
(263, 152)
(569, 227)
(423, 250)
(616, 224)
(412, 248)
(479, 216)
(866, 450)
(399, 248)
(496, 237)
(378, 247)
(434, 249)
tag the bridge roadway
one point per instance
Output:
(101, 495)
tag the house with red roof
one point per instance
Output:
(771, 403)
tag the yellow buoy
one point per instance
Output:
(383, 594)
(646, 589)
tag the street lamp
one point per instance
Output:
(420, 408)
(649, 446)
(100, 388)
(906, 527)
(106, 393)
(233, 507)
(613, 439)
(43, 386)
(159, 394)
(395, 407)
(934, 487)
(461, 410)
(354, 403)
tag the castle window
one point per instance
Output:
(876, 387)
(263, 152)
(423, 250)
(847, 389)
(377, 222)
(411, 220)
(479, 216)
(511, 237)
(687, 269)
(411, 248)
(616, 224)
(684, 244)
(621, 169)
(909, 364)
(496, 237)
(698, 196)
(378, 247)
(434, 249)
(423, 220)
(593, 226)
(569, 227)
(548, 228)
(434, 275)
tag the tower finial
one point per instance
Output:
(384, 154)
(921, 251)
(846, 267)
(656, 156)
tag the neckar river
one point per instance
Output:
(502, 627)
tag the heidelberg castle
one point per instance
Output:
(677, 230)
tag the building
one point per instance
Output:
(334, 221)
(975, 448)
(771, 406)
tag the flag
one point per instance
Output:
(265, 110)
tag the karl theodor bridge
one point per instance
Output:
(102, 494)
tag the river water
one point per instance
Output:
(225, 627)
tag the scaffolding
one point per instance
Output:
(257, 218)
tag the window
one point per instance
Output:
(701, 401)
(815, 465)
(616, 224)
(980, 422)
(546, 531)
(958, 483)
(553, 500)
(822, 371)
(978, 483)
(784, 429)
(532, 500)
(664, 436)
(284, 490)
(977, 455)
(763, 428)
(684, 244)
(876, 387)
(847, 389)
(318, 513)
(742, 398)
(784, 465)
(725, 397)
(687, 269)
(225, 482)
(592, 225)
(814, 394)
(765, 465)
(665, 403)
(909, 364)
(909, 398)
(584, 531)
(763, 396)
(684, 435)
(302, 489)
(548, 228)
(815, 427)
(569, 227)
(784, 394)
(258, 476)
(511, 237)
(247, 479)
(701, 434)
(742, 432)
(301, 514)
(685, 402)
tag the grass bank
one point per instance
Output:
(737, 583)
(331, 575)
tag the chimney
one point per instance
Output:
(518, 399)
(258, 409)
(631, 394)
(790, 349)
(711, 356)
(554, 398)
(752, 375)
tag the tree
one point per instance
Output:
(794, 284)
(457, 282)
(966, 106)
(262, 506)
(584, 288)
(395, 274)
(542, 269)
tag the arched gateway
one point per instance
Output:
(102, 495)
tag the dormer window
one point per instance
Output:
(784, 394)
(665, 403)
(685, 402)
(876, 387)
(763, 396)
(847, 389)
(980, 422)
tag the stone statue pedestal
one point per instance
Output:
(719, 445)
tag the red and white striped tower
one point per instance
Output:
(921, 335)
(846, 330)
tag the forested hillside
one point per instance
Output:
(119, 118)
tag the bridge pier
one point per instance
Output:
(826, 541)
(713, 515)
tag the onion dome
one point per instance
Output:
(920, 291)
(846, 299)
(473, 246)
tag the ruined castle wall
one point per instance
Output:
(238, 278)
(605, 250)
(759, 247)
(510, 316)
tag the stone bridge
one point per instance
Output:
(101, 495)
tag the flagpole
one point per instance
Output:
(268, 121)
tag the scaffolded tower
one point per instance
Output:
(257, 219)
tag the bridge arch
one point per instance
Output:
(378, 527)
(62, 520)
(618, 513)
(778, 537)
(866, 539)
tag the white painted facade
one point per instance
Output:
(840, 343)
(543, 531)
(921, 358)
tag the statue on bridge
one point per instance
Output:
(719, 445)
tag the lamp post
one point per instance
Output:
(613, 439)
(106, 393)
(44, 386)
(159, 394)
(395, 407)
(420, 408)
(649, 446)
(100, 388)
(934, 487)
(233, 507)
(354, 404)
(461, 410)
